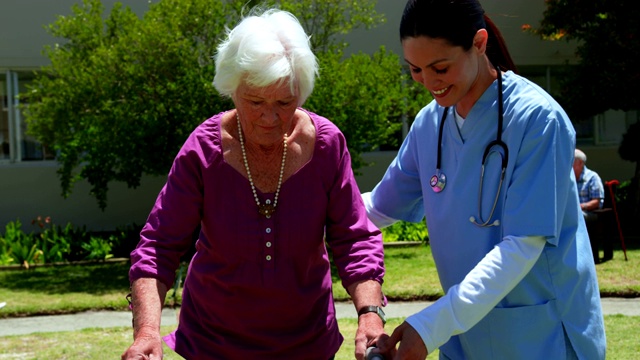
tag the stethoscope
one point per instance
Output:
(439, 180)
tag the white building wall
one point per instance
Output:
(509, 16)
(29, 190)
(22, 28)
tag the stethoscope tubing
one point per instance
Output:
(438, 181)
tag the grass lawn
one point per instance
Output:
(622, 344)
(411, 275)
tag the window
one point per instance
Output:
(547, 77)
(15, 144)
(612, 124)
(603, 129)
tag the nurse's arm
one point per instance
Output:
(466, 303)
(377, 218)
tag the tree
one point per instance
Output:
(122, 93)
(629, 150)
(366, 96)
(327, 20)
(608, 51)
(607, 73)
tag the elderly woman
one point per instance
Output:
(268, 182)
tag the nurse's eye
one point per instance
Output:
(415, 70)
(440, 71)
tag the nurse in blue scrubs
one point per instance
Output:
(488, 163)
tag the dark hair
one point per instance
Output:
(456, 21)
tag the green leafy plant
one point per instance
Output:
(125, 240)
(77, 236)
(98, 248)
(5, 256)
(406, 231)
(21, 247)
(50, 243)
(51, 240)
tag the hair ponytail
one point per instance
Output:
(456, 21)
(497, 51)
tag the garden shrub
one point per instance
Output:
(406, 231)
(50, 243)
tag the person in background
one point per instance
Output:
(591, 192)
(590, 188)
(269, 182)
(488, 165)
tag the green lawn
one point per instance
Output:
(411, 275)
(623, 333)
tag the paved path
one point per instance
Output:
(28, 325)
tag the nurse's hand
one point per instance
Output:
(411, 345)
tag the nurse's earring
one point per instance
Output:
(438, 182)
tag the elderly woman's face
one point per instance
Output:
(265, 113)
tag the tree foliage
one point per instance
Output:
(608, 72)
(366, 97)
(327, 20)
(630, 150)
(122, 93)
(608, 36)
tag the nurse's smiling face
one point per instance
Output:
(449, 72)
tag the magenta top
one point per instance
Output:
(259, 288)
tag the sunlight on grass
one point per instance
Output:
(64, 289)
(410, 275)
(622, 334)
(618, 277)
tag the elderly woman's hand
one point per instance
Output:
(370, 330)
(147, 346)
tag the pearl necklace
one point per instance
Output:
(267, 208)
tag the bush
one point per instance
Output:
(406, 231)
(18, 247)
(50, 243)
(98, 248)
(125, 239)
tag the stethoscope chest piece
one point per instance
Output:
(438, 182)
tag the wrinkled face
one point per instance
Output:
(265, 113)
(448, 72)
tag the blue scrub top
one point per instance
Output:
(538, 198)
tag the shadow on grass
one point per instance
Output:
(93, 279)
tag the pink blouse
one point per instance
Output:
(257, 287)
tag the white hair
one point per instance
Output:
(580, 155)
(264, 49)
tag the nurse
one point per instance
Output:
(488, 163)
